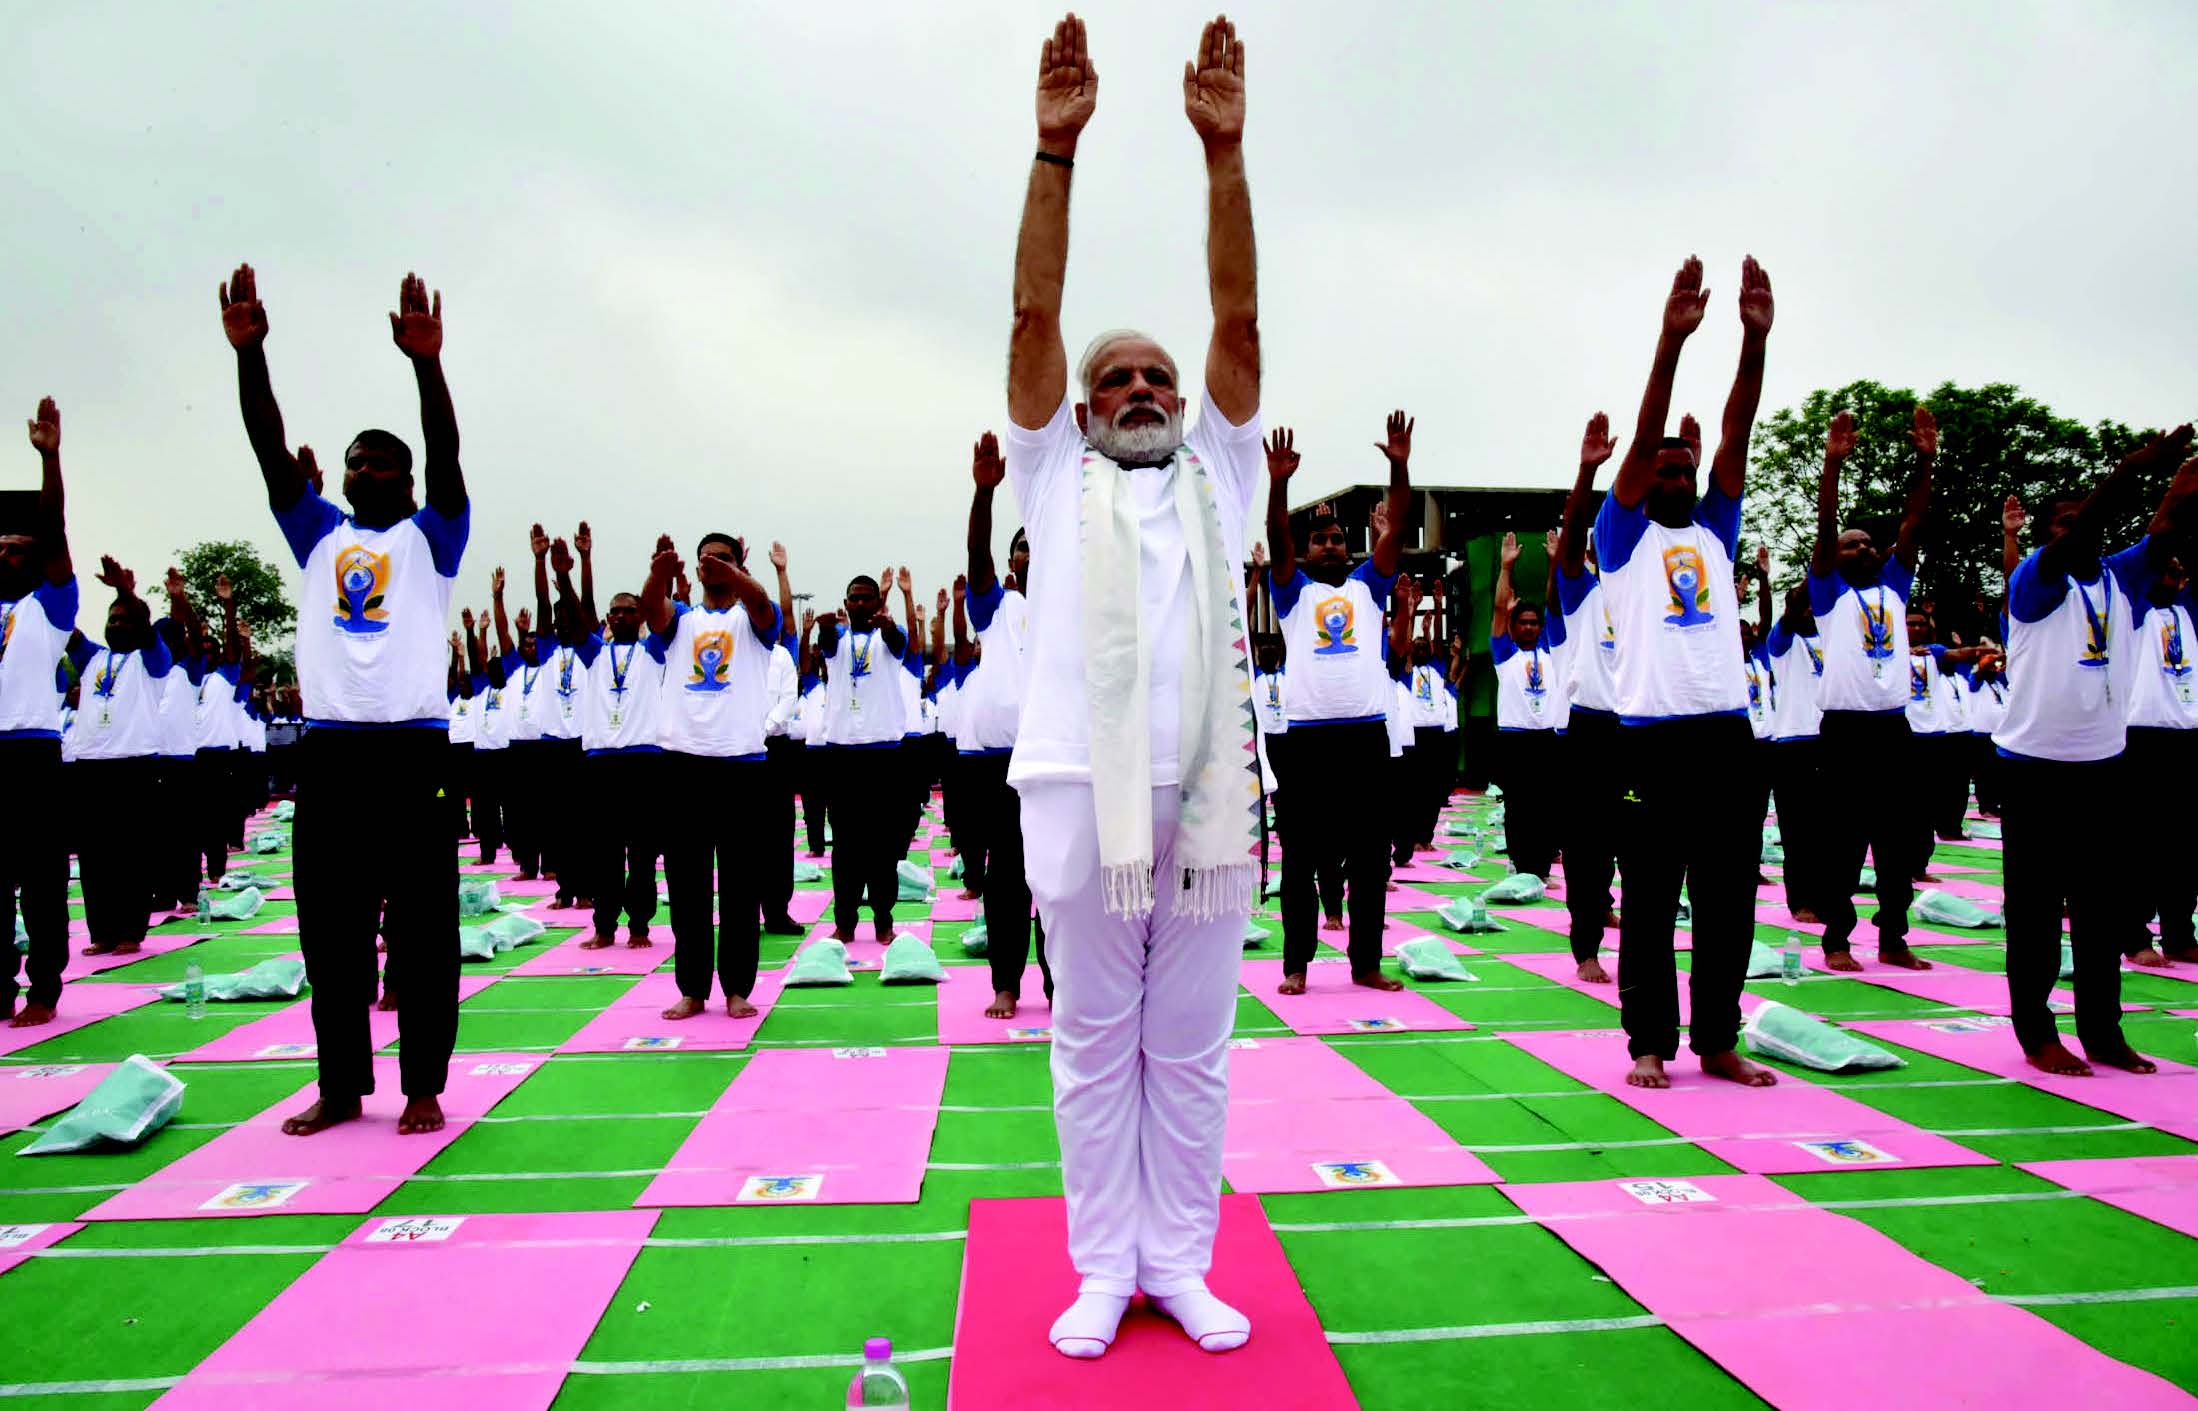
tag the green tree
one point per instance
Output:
(261, 600)
(1993, 441)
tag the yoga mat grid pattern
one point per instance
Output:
(1356, 1285)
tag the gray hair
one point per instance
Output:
(1087, 365)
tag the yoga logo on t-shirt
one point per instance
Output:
(1816, 656)
(1534, 685)
(1877, 628)
(7, 630)
(1919, 681)
(1332, 619)
(362, 583)
(103, 680)
(1689, 583)
(713, 661)
(2171, 647)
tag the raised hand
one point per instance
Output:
(560, 556)
(778, 556)
(1282, 456)
(417, 327)
(1690, 431)
(115, 576)
(1596, 445)
(1398, 448)
(961, 588)
(680, 591)
(583, 540)
(1259, 555)
(1839, 436)
(223, 591)
(943, 602)
(808, 620)
(985, 465)
(46, 428)
(243, 317)
(455, 645)
(1924, 435)
(1510, 549)
(538, 541)
(174, 583)
(1213, 84)
(664, 565)
(2166, 448)
(1755, 296)
(310, 468)
(714, 570)
(1688, 300)
(1549, 542)
(523, 621)
(1763, 559)
(496, 582)
(465, 618)
(1068, 86)
(904, 582)
(1406, 594)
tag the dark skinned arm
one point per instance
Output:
(964, 652)
(1839, 443)
(1595, 448)
(656, 594)
(1683, 309)
(45, 429)
(244, 320)
(1282, 463)
(417, 329)
(583, 543)
(1499, 620)
(1925, 437)
(1729, 468)
(1389, 544)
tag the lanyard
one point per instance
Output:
(107, 672)
(618, 673)
(858, 647)
(2099, 618)
(2171, 642)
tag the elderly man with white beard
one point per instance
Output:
(1135, 757)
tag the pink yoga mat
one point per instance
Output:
(288, 1032)
(1302, 1117)
(472, 1313)
(1866, 929)
(1406, 898)
(155, 943)
(808, 906)
(2167, 1099)
(1016, 1279)
(1792, 1127)
(948, 905)
(635, 1023)
(818, 1126)
(2163, 1189)
(1957, 985)
(254, 1169)
(539, 887)
(81, 1004)
(966, 992)
(1331, 1004)
(20, 1242)
(1983, 893)
(277, 926)
(864, 952)
(1849, 1318)
(31, 1091)
(566, 958)
(1394, 934)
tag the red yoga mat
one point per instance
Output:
(1817, 1312)
(460, 1313)
(1302, 1117)
(1016, 1279)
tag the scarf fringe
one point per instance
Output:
(1207, 894)
(1125, 888)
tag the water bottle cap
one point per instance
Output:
(878, 1349)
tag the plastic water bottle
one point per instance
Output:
(1789, 965)
(194, 991)
(879, 1383)
(205, 904)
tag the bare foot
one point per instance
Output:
(557, 904)
(638, 940)
(127, 948)
(685, 1009)
(99, 948)
(1002, 1006)
(1902, 957)
(598, 941)
(968, 895)
(1807, 916)
(1592, 971)
(1375, 980)
(32, 1016)
(388, 1002)
(583, 903)
(1648, 1072)
(1731, 1065)
(2149, 956)
(845, 935)
(737, 1007)
(319, 1117)
(421, 1114)
(1292, 984)
(1333, 923)
(1926, 877)
(2125, 1058)
(524, 876)
(2054, 1057)
(548, 876)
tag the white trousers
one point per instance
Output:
(1141, 1017)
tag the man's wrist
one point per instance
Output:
(1221, 148)
(1062, 146)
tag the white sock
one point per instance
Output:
(1087, 1328)
(1212, 1324)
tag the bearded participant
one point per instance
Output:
(1135, 759)
(369, 651)
(1666, 553)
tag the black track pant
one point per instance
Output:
(866, 784)
(34, 857)
(774, 858)
(1804, 824)
(1591, 773)
(992, 823)
(624, 792)
(1873, 805)
(2162, 764)
(2062, 836)
(1532, 797)
(713, 822)
(1337, 786)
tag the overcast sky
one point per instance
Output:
(746, 266)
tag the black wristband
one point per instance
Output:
(1056, 159)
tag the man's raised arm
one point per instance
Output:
(1282, 463)
(45, 429)
(656, 594)
(417, 329)
(1730, 468)
(1037, 361)
(1389, 543)
(1595, 448)
(1839, 443)
(1924, 435)
(1683, 309)
(1213, 99)
(987, 470)
(244, 320)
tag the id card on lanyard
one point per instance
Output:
(2100, 621)
(858, 650)
(618, 682)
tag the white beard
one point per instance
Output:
(1138, 445)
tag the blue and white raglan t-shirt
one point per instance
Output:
(621, 696)
(1762, 692)
(2164, 695)
(1864, 637)
(2071, 660)
(371, 646)
(34, 633)
(1339, 673)
(1986, 708)
(912, 719)
(1673, 610)
(1924, 705)
(1797, 678)
(119, 712)
(865, 703)
(990, 708)
(554, 692)
(1433, 703)
(714, 696)
(1590, 643)
(1529, 693)
(495, 706)
(1271, 702)
(464, 719)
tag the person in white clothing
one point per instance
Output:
(1666, 553)
(783, 690)
(1590, 771)
(2071, 664)
(2163, 745)
(122, 736)
(1795, 657)
(622, 773)
(376, 593)
(1531, 710)
(1135, 754)
(865, 721)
